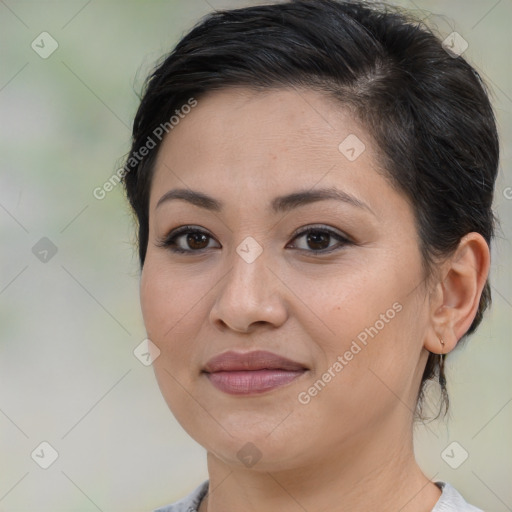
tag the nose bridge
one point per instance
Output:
(247, 279)
(249, 293)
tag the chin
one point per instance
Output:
(256, 454)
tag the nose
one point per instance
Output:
(249, 294)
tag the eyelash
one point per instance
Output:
(169, 241)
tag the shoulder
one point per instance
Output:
(452, 501)
(189, 503)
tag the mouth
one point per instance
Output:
(254, 372)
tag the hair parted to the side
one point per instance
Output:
(427, 112)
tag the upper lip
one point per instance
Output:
(256, 360)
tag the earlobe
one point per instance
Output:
(456, 297)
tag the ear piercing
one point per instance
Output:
(442, 379)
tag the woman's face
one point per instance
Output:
(345, 304)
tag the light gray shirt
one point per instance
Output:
(450, 501)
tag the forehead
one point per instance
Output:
(238, 141)
(287, 119)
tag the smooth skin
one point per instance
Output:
(350, 448)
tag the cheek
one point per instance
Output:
(354, 304)
(375, 324)
(165, 300)
(154, 302)
(174, 303)
(168, 312)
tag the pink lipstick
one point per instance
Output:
(251, 372)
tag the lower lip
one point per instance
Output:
(252, 382)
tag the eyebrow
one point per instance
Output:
(280, 204)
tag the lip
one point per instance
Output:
(253, 372)
(256, 360)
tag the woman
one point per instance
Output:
(313, 185)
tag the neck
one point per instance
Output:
(376, 474)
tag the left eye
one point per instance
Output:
(318, 239)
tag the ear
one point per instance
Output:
(454, 299)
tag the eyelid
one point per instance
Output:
(321, 227)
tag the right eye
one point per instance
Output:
(196, 239)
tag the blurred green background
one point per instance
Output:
(69, 325)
